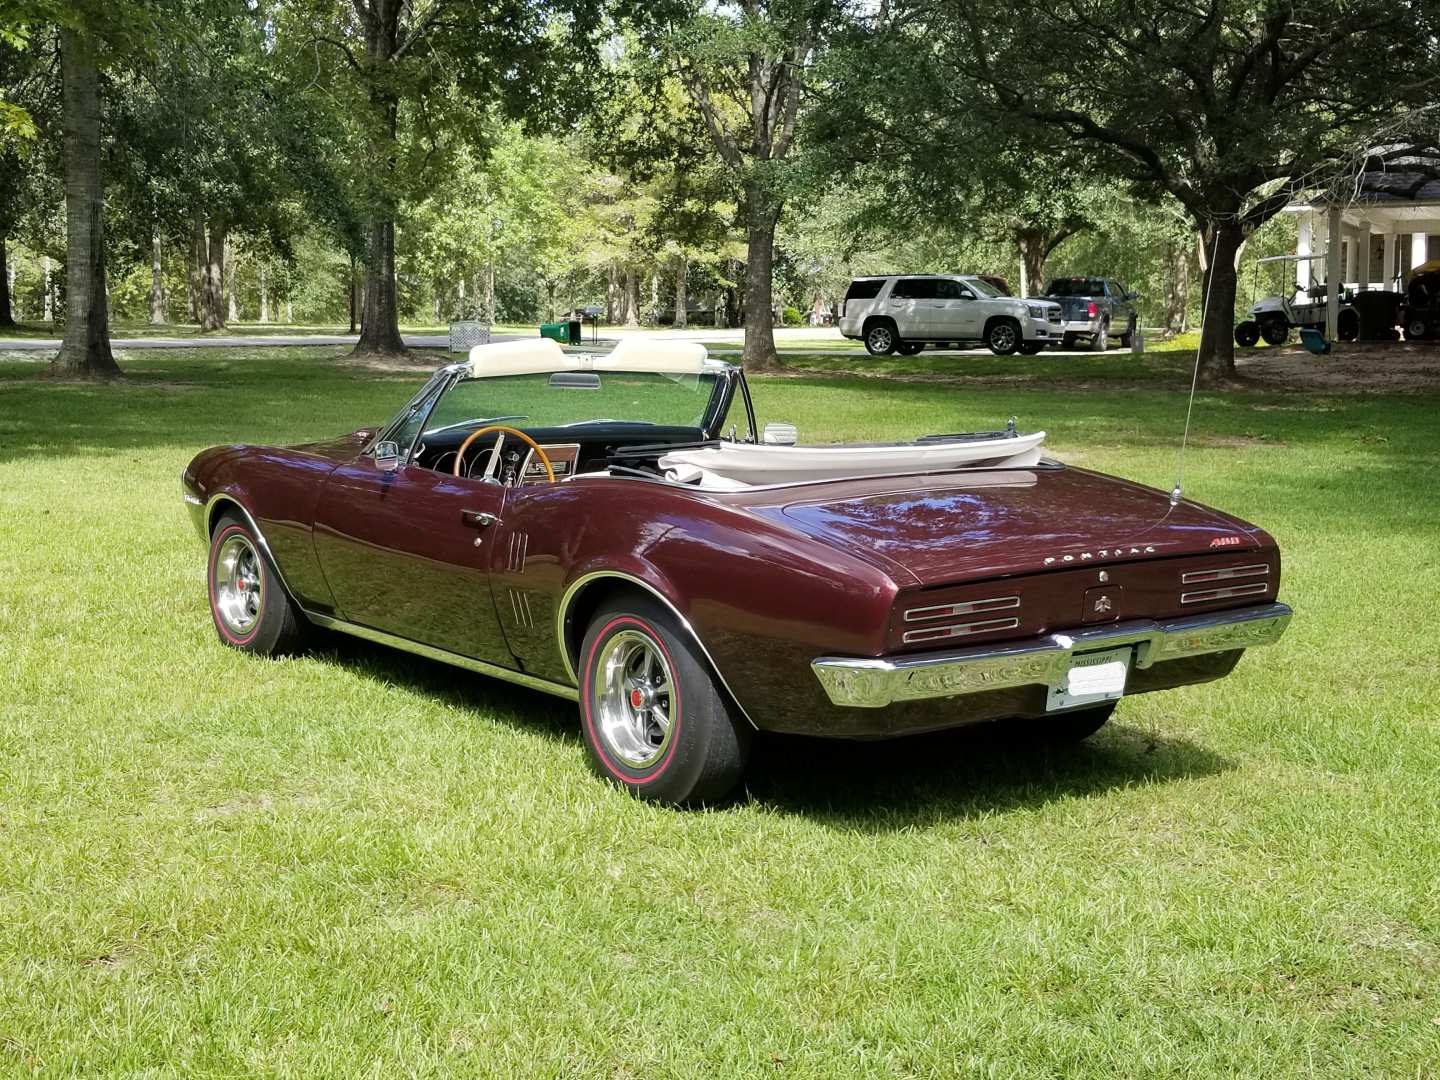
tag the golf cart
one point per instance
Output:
(1420, 315)
(1273, 317)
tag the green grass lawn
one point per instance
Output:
(358, 863)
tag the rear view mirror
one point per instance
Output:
(575, 380)
(780, 434)
(387, 456)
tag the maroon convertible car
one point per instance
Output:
(616, 529)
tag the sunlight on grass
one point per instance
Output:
(358, 863)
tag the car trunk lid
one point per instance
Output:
(943, 528)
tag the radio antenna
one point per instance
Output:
(1177, 491)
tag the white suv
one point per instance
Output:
(903, 313)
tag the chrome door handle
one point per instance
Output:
(480, 519)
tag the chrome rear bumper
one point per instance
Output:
(1043, 661)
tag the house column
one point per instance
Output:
(1333, 270)
(1304, 246)
(1418, 252)
(1352, 259)
(1366, 246)
(1392, 242)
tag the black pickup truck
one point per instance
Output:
(1094, 308)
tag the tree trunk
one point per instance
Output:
(264, 299)
(289, 312)
(612, 295)
(380, 331)
(7, 281)
(157, 283)
(47, 290)
(1034, 246)
(230, 285)
(195, 278)
(487, 312)
(1221, 244)
(353, 305)
(212, 285)
(632, 297)
(1177, 287)
(682, 299)
(85, 349)
(761, 215)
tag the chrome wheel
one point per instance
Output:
(632, 702)
(239, 587)
(880, 339)
(1003, 338)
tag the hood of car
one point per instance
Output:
(933, 530)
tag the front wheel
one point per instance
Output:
(1247, 333)
(654, 718)
(1347, 326)
(250, 607)
(1416, 328)
(1003, 336)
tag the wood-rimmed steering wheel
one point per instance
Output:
(544, 458)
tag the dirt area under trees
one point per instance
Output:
(1372, 367)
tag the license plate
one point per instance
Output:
(1093, 677)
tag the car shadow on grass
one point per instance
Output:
(496, 700)
(967, 772)
(871, 786)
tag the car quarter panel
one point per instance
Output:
(762, 600)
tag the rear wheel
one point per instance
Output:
(250, 607)
(881, 339)
(1275, 332)
(1002, 336)
(1065, 729)
(654, 718)
(1416, 328)
(1247, 333)
(1100, 340)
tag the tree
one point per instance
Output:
(746, 68)
(25, 166)
(1230, 107)
(85, 349)
(421, 74)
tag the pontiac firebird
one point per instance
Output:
(617, 530)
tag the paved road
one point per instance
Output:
(414, 341)
(435, 341)
(812, 340)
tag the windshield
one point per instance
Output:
(1076, 287)
(574, 399)
(984, 288)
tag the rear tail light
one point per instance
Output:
(936, 612)
(1093, 310)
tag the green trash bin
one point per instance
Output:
(567, 333)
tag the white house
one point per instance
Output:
(1372, 235)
